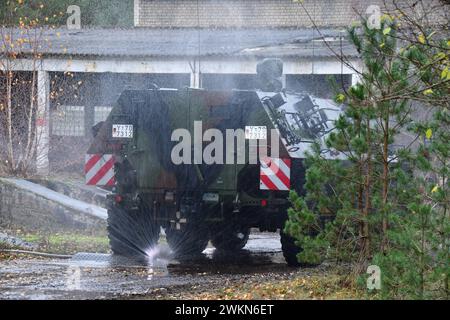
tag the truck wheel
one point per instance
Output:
(132, 232)
(230, 238)
(290, 250)
(188, 242)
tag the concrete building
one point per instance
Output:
(210, 44)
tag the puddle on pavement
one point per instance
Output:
(210, 260)
(108, 261)
(262, 249)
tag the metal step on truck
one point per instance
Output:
(205, 165)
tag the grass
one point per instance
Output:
(69, 243)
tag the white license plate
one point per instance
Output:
(122, 131)
(256, 132)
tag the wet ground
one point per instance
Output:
(100, 276)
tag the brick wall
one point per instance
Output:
(248, 13)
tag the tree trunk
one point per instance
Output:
(366, 232)
(385, 179)
(10, 157)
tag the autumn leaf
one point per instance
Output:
(386, 31)
(440, 56)
(386, 17)
(445, 74)
(421, 39)
(340, 98)
(428, 92)
(429, 134)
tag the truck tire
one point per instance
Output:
(187, 242)
(230, 238)
(290, 250)
(132, 232)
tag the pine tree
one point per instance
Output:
(385, 205)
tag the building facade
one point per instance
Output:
(207, 44)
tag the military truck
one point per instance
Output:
(241, 152)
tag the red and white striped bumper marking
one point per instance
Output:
(275, 174)
(99, 170)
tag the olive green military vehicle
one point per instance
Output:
(205, 165)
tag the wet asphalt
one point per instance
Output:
(102, 276)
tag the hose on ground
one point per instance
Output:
(35, 253)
